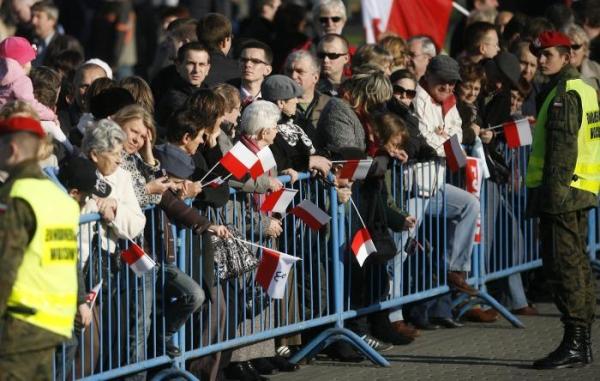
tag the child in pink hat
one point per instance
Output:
(16, 54)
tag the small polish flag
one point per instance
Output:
(265, 162)
(455, 156)
(311, 214)
(137, 259)
(273, 271)
(215, 183)
(90, 298)
(362, 245)
(277, 202)
(517, 133)
(238, 160)
(355, 169)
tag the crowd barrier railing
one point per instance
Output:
(326, 289)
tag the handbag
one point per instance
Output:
(377, 225)
(232, 257)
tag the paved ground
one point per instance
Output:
(494, 351)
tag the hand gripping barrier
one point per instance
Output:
(326, 290)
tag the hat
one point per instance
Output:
(109, 101)
(21, 124)
(175, 161)
(101, 64)
(549, 39)
(280, 87)
(17, 48)
(508, 64)
(80, 173)
(444, 67)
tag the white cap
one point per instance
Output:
(102, 64)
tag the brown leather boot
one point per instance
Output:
(478, 315)
(404, 329)
(457, 281)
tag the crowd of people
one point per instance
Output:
(133, 148)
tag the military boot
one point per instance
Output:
(571, 353)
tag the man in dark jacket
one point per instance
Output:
(214, 31)
(564, 184)
(193, 64)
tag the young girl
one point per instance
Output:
(16, 54)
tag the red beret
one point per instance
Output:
(549, 39)
(21, 124)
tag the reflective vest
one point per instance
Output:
(587, 169)
(45, 290)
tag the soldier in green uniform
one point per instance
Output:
(38, 252)
(563, 177)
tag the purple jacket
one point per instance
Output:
(16, 85)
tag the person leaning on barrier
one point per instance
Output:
(38, 249)
(564, 181)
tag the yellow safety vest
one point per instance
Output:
(46, 282)
(587, 169)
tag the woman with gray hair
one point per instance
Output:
(580, 53)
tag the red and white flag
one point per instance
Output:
(406, 18)
(238, 160)
(265, 162)
(355, 169)
(273, 271)
(311, 214)
(215, 183)
(455, 156)
(90, 298)
(137, 259)
(277, 202)
(517, 133)
(362, 245)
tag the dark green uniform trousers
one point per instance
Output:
(567, 265)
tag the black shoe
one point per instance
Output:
(342, 351)
(243, 371)
(446, 322)
(264, 366)
(571, 353)
(378, 345)
(283, 364)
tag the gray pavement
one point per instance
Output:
(478, 351)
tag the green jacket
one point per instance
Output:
(555, 195)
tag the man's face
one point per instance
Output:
(42, 24)
(334, 57)
(528, 64)
(331, 21)
(551, 61)
(87, 77)
(254, 65)
(490, 46)
(419, 60)
(195, 67)
(439, 89)
(302, 72)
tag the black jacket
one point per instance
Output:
(222, 69)
(174, 99)
(416, 147)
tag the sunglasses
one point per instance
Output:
(331, 56)
(335, 19)
(254, 61)
(576, 46)
(399, 90)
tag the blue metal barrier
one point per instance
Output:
(126, 333)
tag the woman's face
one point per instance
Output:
(107, 162)
(267, 135)
(516, 102)
(233, 115)
(469, 91)
(528, 64)
(191, 144)
(578, 52)
(404, 90)
(136, 133)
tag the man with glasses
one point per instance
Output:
(330, 16)
(192, 64)
(332, 53)
(422, 49)
(439, 120)
(255, 62)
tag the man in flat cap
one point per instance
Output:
(563, 178)
(38, 252)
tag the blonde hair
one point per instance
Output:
(371, 54)
(397, 47)
(140, 90)
(367, 88)
(230, 94)
(134, 112)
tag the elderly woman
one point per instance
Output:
(580, 52)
